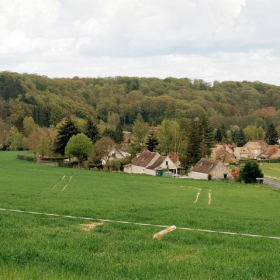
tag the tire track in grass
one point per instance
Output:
(209, 197)
(62, 178)
(142, 224)
(197, 196)
(198, 193)
(67, 184)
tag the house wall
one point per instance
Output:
(171, 164)
(198, 176)
(127, 169)
(219, 171)
(142, 170)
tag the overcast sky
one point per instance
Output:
(203, 39)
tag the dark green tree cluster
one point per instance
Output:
(65, 132)
(201, 139)
(152, 142)
(271, 136)
(250, 172)
(238, 137)
(116, 135)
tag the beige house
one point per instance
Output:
(224, 153)
(208, 169)
(150, 163)
(271, 152)
(251, 150)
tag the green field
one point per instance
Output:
(45, 247)
(271, 171)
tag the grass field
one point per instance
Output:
(271, 171)
(45, 247)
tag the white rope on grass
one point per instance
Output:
(141, 224)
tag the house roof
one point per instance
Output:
(205, 165)
(157, 164)
(243, 150)
(144, 158)
(270, 151)
(256, 144)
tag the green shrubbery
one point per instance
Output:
(250, 172)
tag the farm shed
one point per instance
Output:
(207, 169)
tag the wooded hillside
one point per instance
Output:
(49, 100)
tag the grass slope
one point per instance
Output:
(271, 171)
(43, 247)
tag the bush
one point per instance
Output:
(22, 157)
(250, 172)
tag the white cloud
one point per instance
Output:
(208, 39)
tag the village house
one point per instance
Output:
(271, 152)
(208, 169)
(224, 153)
(150, 163)
(115, 154)
(251, 150)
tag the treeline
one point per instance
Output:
(48, 101)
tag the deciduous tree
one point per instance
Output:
(79, 146)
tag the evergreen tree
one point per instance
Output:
(109, 133)
(65, 132)
(193, 150)
(92, 131)
(206, 136)
(152, 141)
(271, 136)
(119, 134)
(250, 172)
(218, 136)
(238, 137)
(223, 133)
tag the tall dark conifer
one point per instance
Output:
(193, 150)
(152, 141)
(206, 136)
(92, 131)
(65, 132)
(218, 136)
(119, 134)
(271, 136)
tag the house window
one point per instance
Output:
(166, 163)
(225, 176)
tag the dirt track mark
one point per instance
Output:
(57, 183)
(67, 184)
(197, 196)
(209, 198)
(88, 227)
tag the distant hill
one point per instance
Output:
(49, 100)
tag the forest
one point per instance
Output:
(49, 100)
(133, 104)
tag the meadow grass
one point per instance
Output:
(271, 170)
(44, 247)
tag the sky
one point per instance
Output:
(198, 39)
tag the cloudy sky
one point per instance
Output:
(203, 39)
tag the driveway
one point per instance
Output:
(271, 183)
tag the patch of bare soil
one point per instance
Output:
(88, 227)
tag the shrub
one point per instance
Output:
(250, 172)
